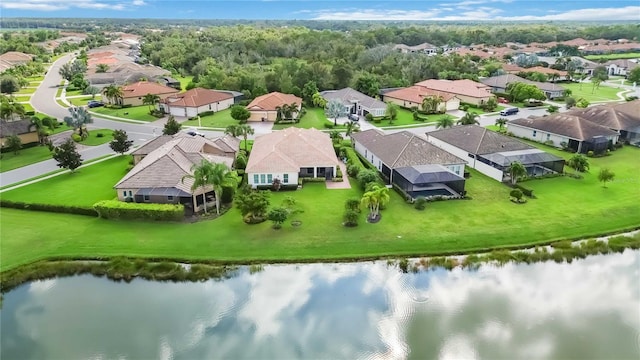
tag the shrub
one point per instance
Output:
(353, 170)
(99, 135)
(352, 204)
(420, 203)
(369, 117)
(516, 194)
(114, 209)
(76, 137)
(525, 191)
(328, 125)
(351, 217)
(66, 209)
(206, 113)
(590, 153)
(367, 176)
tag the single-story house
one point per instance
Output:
(193, 102)
(499, 84)
(356, 102)
(134, 93)
(492, 153)
(13, 58)
(578, 133)
(468, 91)
(411, 163)
(413, 96)
(621, 67)
(424, 48)
(265, 107)
(614, 117)
(24, 129)
(162, 163)
(289, 154)
(559, 74)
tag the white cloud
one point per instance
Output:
(376, 14)
(56, 5)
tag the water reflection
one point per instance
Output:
(588, 309)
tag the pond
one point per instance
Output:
(589, 309)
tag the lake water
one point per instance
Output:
(589, 309)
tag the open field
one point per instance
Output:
(587, 91)
(25, 157)
(134, 113)
(564, 208)
(633, 55)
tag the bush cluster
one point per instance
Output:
(66, 209)
(114, 209)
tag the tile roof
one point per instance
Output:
(16, 57)
(166, 166)
(290, 149)
(424, 174)
(417, 93)
(404, 149)
(476, 139)
(8, 128)
(269, 102)
(501, 81)
(349, 96)
(571, 126)
(142, 88)
(610, 116)
(544, 70)
(197, 97)
(630, 107)
(459, 87)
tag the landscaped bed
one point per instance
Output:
(564, 208)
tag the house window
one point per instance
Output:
(534, 133)
(255, 178)
(169, 197)
(285, 178)
(130, 193)
(548, 136)
(124, 193)
(209, 106)
(263, 179)
(366, 154)
(146, 198)
(269, 179)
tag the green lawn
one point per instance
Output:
(405, 117)
(61, 103)
(82, 188)
(81, 101)
(27, 107)
(25, 157)
(564, 208)
(479, 111)
(93, 139)
(220, 119)
(586, 90)
(134, 113)
(314, 118)
(73, 93)
(633, 55)
(25, 91)
(35, 78)
(184, 81)
(34, 83)
(22, 98)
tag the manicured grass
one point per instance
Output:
(405, 117)
(82, 188)
(564, 208)
(314, 118)
(22, 98)
(633, 55)
(184, 81)
(479, 111)
(134, 113)
(27, 107)
(27, 90)
(34, 83)
(93, 139)
(38, 78)
(220, 119)
(602, 93)
(73, 92)
(25, 157)
(61, 103)
(60, 88)
(82, 101)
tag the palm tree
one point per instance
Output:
(501, 122)
(243, 130)
(335, 136)
(9, 108)
(516, 170)
(102, 68)
(221, 176)
(351, 128)
(430, 104)
(374, 198)
(40, 128)
(201, 175)
(151, 100)
(334, 110)
(318, 100)
(444, 122)
(113, 93)
(78, 119)
(469, 119)
(391, 112)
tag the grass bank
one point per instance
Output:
(587, 91)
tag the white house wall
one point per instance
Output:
(293, 178)
(471, 162)
(540, 136)
(362, 150)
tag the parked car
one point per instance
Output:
(533, 102)
(194, 132)
(509, 111)
(502, 100)
(354, 117)
(94, 103)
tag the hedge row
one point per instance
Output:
(78, 210)
(353, 158)
(114, 209)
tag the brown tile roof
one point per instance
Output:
(544, 70)
(269, 102)
(142, 88)
(197, 97)
(152, 145)
(289, 150)
(630, 107)
(8, 128)
(16, 57)
(166, 166)
(404, 149)
(571, 126)
(609, 116)
(501, 81)
(512, 68)
(459, 87)
(478, 140)
(481, 54)
(417, 93)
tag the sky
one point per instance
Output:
(468, 10)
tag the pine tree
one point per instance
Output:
(67, 156)
(121, 143)
(172, 127)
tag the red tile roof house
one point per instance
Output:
(197, 101)
(414, 95)
(134, 93)
(264, 108)
(290, 154)
(467, 91)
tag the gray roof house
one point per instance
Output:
(500, 83)
(411, 163)
(491, 153)
(163, 163)
(24, 129)
(574, 131)
(356, 102)
(624, 118)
